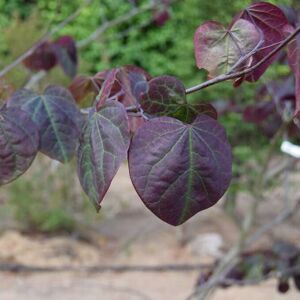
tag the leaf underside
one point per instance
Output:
(218, 49)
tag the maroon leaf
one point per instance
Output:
(82, 85)
(179, 169)
(275, 103)
(111, 88)
(43, 58)
(19, 142)
(270, 21)
(200, 108)
(66, 54)
(57, 117)
(160, 17)
(294, 62)
(138, 79)
(103, 147)
(125, 84)
(218, 49)
(259, 112)
(165, 96)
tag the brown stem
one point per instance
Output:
(228, 76)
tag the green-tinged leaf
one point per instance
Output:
(165, 96)
(218, 49)
(57, 117)
(103, 147)
(19, 142)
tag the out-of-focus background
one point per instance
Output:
(47, 221)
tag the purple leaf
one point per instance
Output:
(275, 103)
(218, 49)
(111, 88)
(66, 54)
(138, 80)
(19, 142)
(103, 147)
(294, 62)
(270, 21)
(125, 85)
(259, 112)
(82, 85)
(160, 17)
(57, 117)
(43, 58)
(165, 96)
(180, 169)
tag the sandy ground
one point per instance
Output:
(134, 236)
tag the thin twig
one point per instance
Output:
(280, 218)
(228, 76)
(20, 268)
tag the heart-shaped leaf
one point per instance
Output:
(42, 58)
(180, 169)
(19, 142)
(165, 96)
(125, 84)
(218, 49)
(57, 117)
(270, 21)
(103, 147)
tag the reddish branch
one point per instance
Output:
(246, 71)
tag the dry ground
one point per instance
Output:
(132, 235)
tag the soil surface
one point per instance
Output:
(133, 236)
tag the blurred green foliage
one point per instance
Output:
(48, 198)
(159, 50)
